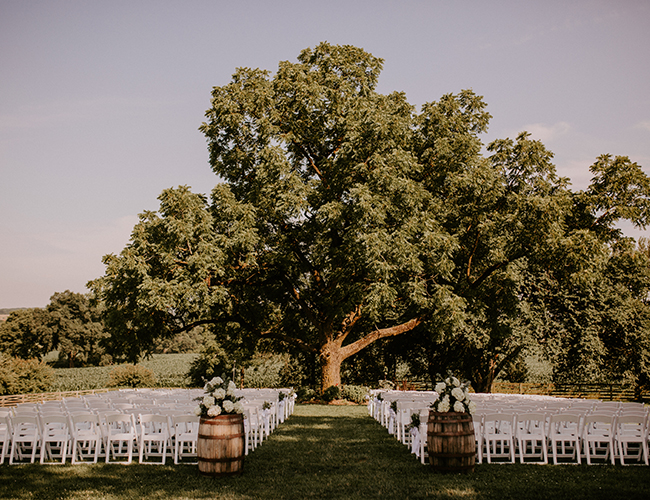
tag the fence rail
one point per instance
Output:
(16, 399)
(609, 392)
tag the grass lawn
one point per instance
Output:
(328, 452)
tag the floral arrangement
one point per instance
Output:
(219, 399)
(453, 395)
(415, 421)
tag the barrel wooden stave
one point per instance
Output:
(451, 442)
(220, 445)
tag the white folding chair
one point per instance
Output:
(186, 435)
(565, 431)
(154, 437)
(477, 420)
(498, 435)
(6, 433)
(55, 438)
(86, 431)
(531, 436)
(598, 437)
(252, 428)
(632, 438)
(120, 437)
(25, 438)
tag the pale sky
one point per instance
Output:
(100, 101)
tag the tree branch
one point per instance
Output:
(364, 342)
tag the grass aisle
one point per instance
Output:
(325, 452)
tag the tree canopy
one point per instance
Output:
(343, 216)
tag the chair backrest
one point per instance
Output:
(498, 423)
(631, 425)
(599, 424)
(25, 425)
(566, 424)
(531, 422)
(185, 424)
(85, 423)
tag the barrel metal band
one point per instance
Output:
(214, 438)
(452, 455)
(222, 460)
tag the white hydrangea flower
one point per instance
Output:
(231, 388)
(228, 406)
(197, 411)
(443, 406)
(471, 406)
(208, 401)
(440, 387)
(458, 393)
(239, 408)
(214, 411)
(216, 381)
(459, 407)
(455, 382)
(219, 394)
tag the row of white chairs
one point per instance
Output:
(533, 436)
(504, 426)
(124, 423)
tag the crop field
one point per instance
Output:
(170, 370)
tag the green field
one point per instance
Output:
(326, 452)
(169, 369)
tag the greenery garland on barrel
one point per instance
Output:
(220, 446)
(450, 430)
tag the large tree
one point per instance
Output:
(343, 217)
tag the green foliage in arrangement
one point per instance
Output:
(24, 376)
(133, 376)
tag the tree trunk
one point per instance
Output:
(330, 372)
(331, 357)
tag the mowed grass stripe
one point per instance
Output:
(327, 452)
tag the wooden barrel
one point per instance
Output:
(450, 442)
(220, 446)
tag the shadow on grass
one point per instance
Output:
(324, 452)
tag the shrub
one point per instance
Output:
(331, 393)
(7, 375)
(355, 393)
(20, 376)
(305, 394)
(131, 376)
